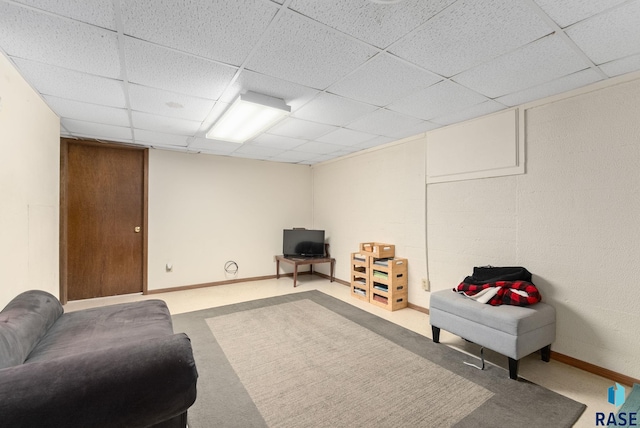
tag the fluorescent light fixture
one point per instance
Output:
(247, 116)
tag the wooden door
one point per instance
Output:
(103, 220)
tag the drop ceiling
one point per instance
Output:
(356, 74)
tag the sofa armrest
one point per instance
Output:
(132, 385)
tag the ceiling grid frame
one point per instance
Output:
(378, 120)
(563, 35)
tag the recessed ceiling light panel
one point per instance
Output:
(250, 114)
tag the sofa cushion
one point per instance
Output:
(132, 385)
(104, 327)
(24, 322)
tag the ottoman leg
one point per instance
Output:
(545, 353)
(513, 369)
(435, 333)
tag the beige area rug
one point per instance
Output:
(310, 360)
(303, 365)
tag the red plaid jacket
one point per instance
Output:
(505, 295)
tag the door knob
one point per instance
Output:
(137, 229)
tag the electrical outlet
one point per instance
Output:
(169, 267)
(425, 284)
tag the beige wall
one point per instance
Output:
(29, 188)
(572, 220)
(205, 210)
(377, 195)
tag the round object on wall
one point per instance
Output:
(231, 267)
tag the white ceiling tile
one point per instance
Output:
(160, 139)
(333, 110)
(73, 85)
(345, 150)
(251, 150)
(293, 156)
(318, 148)
(166, 103)
(316, 160)
(420, 128)
(378, 24)
(162, 68)
(384, 122)
(226, 31)
(305, 52)
(95, 12)
(276, 141)
(563, 84)
(168, 125)
(302, 129)
(42, 37)
(346, 137)
(536, 63)
(354, 72)
(99, 131)
(293, 94)
(86, 112)
(456, 39)
(567, 12)
(378, 141)
(256, 156)
(213, 146)
(438, 100)
(472, 112)
(611, 35)
(383, 80)
(621, 66)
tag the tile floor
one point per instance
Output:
(569, 381)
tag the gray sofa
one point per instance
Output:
(113, 366)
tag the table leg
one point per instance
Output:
(333, 267)
(277, 269)
(295, 273)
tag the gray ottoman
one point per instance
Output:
(514, 331)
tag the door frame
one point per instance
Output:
(64, 163)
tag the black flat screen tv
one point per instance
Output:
(303, 243)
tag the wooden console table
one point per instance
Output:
(301, 261)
